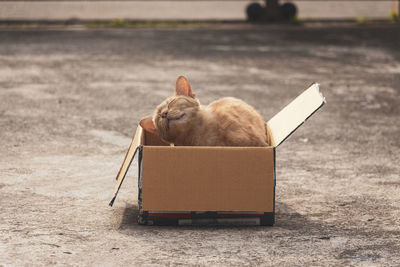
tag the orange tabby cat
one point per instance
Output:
(229, 121)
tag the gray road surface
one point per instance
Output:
(70, 101)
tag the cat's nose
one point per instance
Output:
(164, 114)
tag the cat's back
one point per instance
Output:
(227, 103)
(239, 123)
(231, 107)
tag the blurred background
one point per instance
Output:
(232, 10)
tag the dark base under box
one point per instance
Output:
(206, 218)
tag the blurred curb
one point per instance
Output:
(88, 24)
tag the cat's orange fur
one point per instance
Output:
(181, 120)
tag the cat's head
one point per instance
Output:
(174, 117)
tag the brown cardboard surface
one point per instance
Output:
(208, 178)
(293, 115)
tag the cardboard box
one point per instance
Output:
(213, 185)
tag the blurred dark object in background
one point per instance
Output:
(272, 11)
(288, 11)
(255, 12)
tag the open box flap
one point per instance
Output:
(283, 124)
(136, 142)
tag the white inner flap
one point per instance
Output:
(293, 115)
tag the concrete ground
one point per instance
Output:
(70, 101)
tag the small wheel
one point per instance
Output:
(288, 11)
(255, 12)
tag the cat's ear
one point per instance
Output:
(148, 125)
(183, 87)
